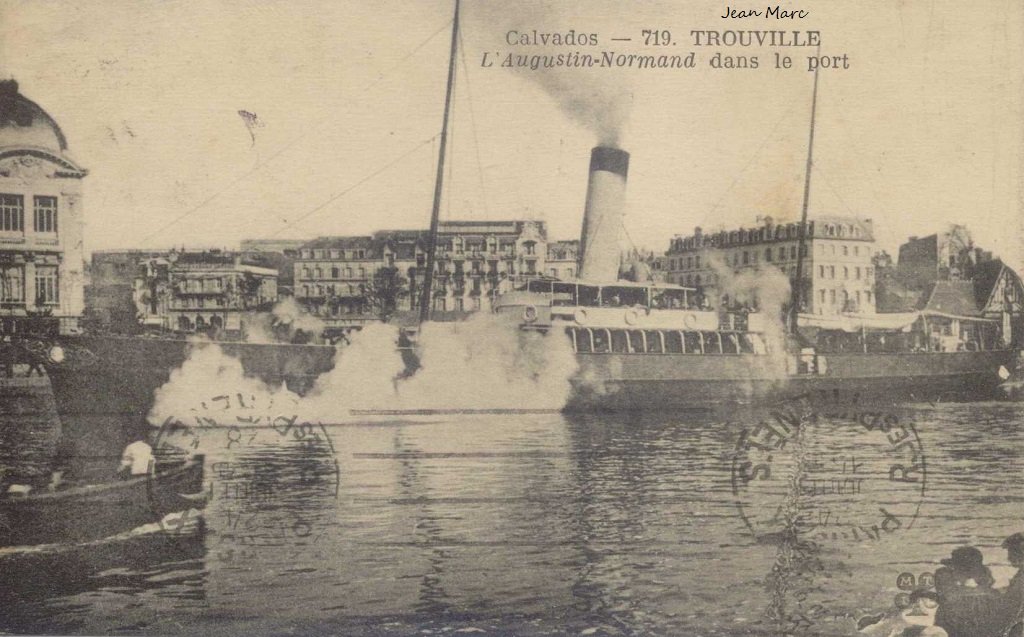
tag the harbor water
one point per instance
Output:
(528, 523)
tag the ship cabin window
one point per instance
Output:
(588, 295)
(712, 342)
(730, 343)
(693, 343)
(620, 296)
(563, 294)
(673, 342)
(636, 342)
(583, 339)
(620, 342)
(655, 342)
(669, 299)
(602, 341)
(539, 286)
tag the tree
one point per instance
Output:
(382, 293)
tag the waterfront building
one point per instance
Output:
(204, 292)
(41, 252)
(110, 289)
(838, 274)
(945, 273)
(357, 279)
(278, 254)
(562, 259)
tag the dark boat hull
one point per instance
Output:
(126, 373)
(649, 382)
(93, 512)
(119, 375)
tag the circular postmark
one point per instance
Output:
(823, 468)
(271, 472)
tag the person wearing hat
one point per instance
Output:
(968, 605)
(1013, 596)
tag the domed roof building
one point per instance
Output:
(41, 251)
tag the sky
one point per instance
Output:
(342, 107)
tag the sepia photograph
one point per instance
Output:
(541, 318)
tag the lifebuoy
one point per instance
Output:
(690, 320)
(580, 316)
(530, 313)
(56, 354)
(632, 316)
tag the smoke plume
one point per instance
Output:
(600, 100)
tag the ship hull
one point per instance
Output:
(119, 376)
(126, 373)
(626, 382)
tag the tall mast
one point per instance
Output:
(794, 310)
(428, 275)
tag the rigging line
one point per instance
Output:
(359, 183)
(753, 156)
(262, 163)
(818, 171)
(472, 124)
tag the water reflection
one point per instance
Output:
(551, 523)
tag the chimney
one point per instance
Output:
(602, 216)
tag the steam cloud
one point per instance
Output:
(281, 323)
(481, 363)
(768, 289)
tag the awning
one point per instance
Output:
(889, 321)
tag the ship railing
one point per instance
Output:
(599, 340)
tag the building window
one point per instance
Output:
(318, 273)
(362, 273)
(846, 272)
(846, 251)
(45, 214)
(831, 271)
(12, 213)
(696, 279)
(856, 251)
(335, 272)
(46, 285)
(746, 257)
(856, 272)
(768, 254)
(821, 271)
(696, 261)
(305, 272)
(867, 296)
(348, 273)
(867, 273)
(822, 295)
(832, 296)
(12, 284)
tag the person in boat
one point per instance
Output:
(136, 460)
(968, 605)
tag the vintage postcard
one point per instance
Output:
(450, 317)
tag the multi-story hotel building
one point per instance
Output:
(41, 253)
(838, 275)
(474, 261)
(563, 259)
(208, 291)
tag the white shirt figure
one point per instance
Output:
(138, 456)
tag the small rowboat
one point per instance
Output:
(95, 511)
